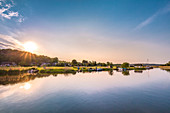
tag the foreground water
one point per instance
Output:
(100, 92)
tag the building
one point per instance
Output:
(8, 64)
(138, 65)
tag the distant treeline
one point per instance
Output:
(24, 58)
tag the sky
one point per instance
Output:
(96, 30)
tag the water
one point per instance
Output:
(100, 92)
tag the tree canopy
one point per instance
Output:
(74, 62)
(168, 64)
(125, 65)
(55, 60)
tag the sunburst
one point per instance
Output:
(30, 46)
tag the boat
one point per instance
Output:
(121, 69)
(33, 70)
(99, 69)
(149, 67)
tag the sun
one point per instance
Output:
(30, 46)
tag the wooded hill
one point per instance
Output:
(22, 57)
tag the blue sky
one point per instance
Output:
(101, 30)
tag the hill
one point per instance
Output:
(22, 58)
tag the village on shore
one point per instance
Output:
(11, 68)
(17, 62)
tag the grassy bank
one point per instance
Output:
(20, 70)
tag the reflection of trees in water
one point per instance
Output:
(110, 72)
(12, 72)
(55, 75)
(25, 77)
(125, 73)
(13, 79)
(74, 73)
(67, 74)
(168, 70)
(138, 71)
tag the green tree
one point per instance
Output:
(168, 64)
(55, 60)
(85, 62)
(74, 62)
(94, 63)
(125, 65)
(108, 63)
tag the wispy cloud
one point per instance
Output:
(10, 42)
(21, 19)
(149, 20)
(7, 13)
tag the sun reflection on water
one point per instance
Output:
(26, 86)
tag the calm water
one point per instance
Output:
(100, 92)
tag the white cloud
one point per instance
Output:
(149, 20)
(10, 14)
(5, 11)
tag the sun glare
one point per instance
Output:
(30, 46)
(26, 86)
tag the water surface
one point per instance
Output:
(97, 92)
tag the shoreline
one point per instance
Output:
(52, 70)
